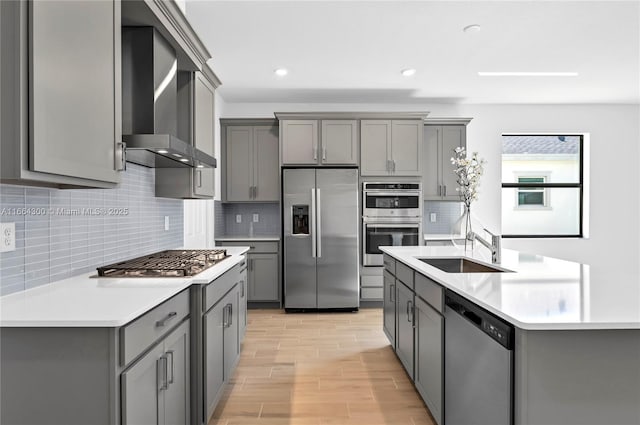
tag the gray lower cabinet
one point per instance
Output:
(221, 334)
(405, 326)
(243, 297)
(251, 169)
(428, 376)
(61, 107)
(263, 269)
(263, 277)
(391, 147)
(439, 182)
(389, 307)
(155, 389)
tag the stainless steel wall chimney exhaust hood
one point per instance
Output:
(149, 103)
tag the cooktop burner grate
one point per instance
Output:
(169, 263)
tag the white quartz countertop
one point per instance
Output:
(86, 301)
(541, 293)
(441, 237)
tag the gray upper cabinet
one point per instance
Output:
(61, 107)
(251, 167)
(319, 142)
(203, 133)
(391, 147)
(299, 142)
(440, 141)
(339, 142)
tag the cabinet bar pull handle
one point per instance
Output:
(230, 314)
(324, 153)
(199, 178)
(315, 152)
(242, 289)
(445, 190)
(161, 365)
(394, 165)
(392, 289)
(164, 321)
(170, 354)
(224, 317)
(255, 192)
(409, 311)
(121, 152)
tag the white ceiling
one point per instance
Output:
(353, 51)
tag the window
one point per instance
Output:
(542, 185)
(531, 196)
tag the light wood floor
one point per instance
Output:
(319, 369)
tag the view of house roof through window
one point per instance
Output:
(542, 185)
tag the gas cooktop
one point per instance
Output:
(169, 263)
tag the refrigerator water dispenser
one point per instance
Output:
(300, 217)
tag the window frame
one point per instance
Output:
(544, 191)
(578, 185)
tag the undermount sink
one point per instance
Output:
(460, 265)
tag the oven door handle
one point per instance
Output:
(393, 225)
(399, 194)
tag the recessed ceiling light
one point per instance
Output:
(281, 72)
(408, 72)
(163, 151)
(527, 74)
(472, 28)
(177, 155)
(184, 159)
(200, 166)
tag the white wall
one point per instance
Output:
(614, 175)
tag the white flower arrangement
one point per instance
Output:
(469, 171)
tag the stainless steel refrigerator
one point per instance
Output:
(320, 213)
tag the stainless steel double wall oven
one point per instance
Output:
(391, 216)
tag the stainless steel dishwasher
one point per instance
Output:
(478, 365)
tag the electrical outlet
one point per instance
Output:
(166, 222)
(432, 217)
(256, 218)
(238, 218)
(7, 237)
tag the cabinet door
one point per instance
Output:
(263, 277)
(431, 186)
(299, 141)
(339, 142)
(242, 307)
(453, 136)
(204, 130)
(266, 175)
(176, 396)
(428, 357)
(375, 145)
(404, 329)
(406, 147)
(213, 329)
(231, 343)
(142, 400)
(74, 84)
(389, 308)
(239, 166)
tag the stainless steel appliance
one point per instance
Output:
(376, 233)
(478, 365)
(320, 213)
(391, 216)
(150, 103)
(391, 200)
(169, 263)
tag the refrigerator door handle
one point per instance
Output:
(312, 228)
(319, 223)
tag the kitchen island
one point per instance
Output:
(575, 352)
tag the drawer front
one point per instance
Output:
(214, 291)
(389, 263)
(404, 274)
(429, 291)
(255, 247)
(371, 294)
(371, 281)
(151, 326)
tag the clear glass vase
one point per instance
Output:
(463, 227)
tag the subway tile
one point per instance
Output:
(10, 289)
